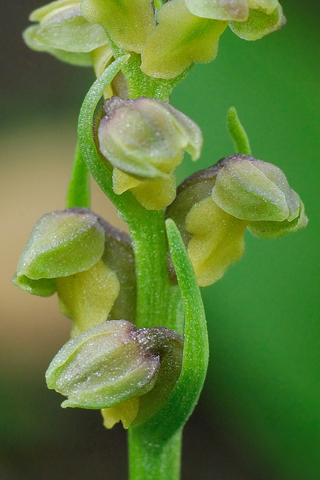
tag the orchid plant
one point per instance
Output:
(139, 348)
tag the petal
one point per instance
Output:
(179, 40)
(217, 241)
(259, 24)
(219, 9)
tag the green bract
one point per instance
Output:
(65, 33)
(144, 139)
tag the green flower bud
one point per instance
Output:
(113, 363)
(63, 32)
(89, 263)
(179, 40)
(213, 238)
(144, 139)
(213, 208)
(128, 23)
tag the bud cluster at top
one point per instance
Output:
(169, 40)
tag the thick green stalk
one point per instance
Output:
(154, 462)
(78, 194)
(158, 301)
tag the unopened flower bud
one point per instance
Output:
(62, 243)
(179, 40)
(113, 363)
(214, 239)
(128, 23)
(214, 207)
(65, 33)
(144, 139)
(89, 263)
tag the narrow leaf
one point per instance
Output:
(187, 390)
(97, 168)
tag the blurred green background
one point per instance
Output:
(259, 418)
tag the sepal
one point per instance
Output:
(103, 366)
(259, 23)
(128, 373)
(44, 287)
(254, 190)
(219, 9)
(63, 32)
(62, 243)
(128, 23)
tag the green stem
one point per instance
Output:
(78, 194)
(158, 301)
(154, 462)
(155, 294)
